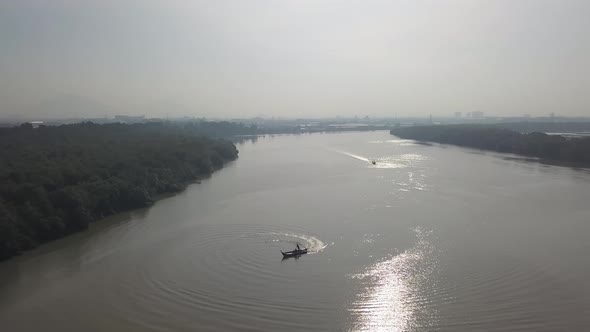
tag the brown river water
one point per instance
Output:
(430, 238)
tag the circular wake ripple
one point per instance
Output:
(199, 272)
(426, 289)
(495, 291)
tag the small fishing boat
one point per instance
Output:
(294, 253)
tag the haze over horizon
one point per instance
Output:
(305, 58)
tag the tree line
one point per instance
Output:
(57, 180)
(546, 127)
(535, 144)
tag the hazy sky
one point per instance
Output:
(294, 58)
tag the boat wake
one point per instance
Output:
(192, 271)
(355, 156)
(383, 162)
(314, 244)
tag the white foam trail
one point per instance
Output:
(314, 244)
(380, 162)
(353, 155)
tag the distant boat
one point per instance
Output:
(294, 253)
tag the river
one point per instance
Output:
(430, 238)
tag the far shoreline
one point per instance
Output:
(539, 147)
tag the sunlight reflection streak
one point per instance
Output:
(389, 299)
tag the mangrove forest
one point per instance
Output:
(57, 180)
(493, 138)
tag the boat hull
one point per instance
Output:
(294, 253)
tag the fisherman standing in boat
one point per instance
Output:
(298, 247)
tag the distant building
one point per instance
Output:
(129, 118)
(36, 124)
(477, 115)
(458, 115)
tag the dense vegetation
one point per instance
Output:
(546, 127)
(228, 129)
(57, 180)
(553, 147)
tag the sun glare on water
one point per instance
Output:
(389, 298)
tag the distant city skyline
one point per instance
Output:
(294, 59)
(467, 117)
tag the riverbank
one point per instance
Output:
(55, 181)
(556, 148)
